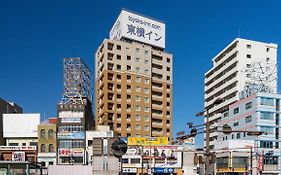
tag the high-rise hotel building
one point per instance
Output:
(134, 78)
(241, 69)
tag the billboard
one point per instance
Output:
(18, 148)
(74, 152)
(148, 141)
(70, 114)
(163, 156)
(71, 135)
(18, 156)
(20, 125)
(140, 28)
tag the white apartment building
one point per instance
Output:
(241, 68)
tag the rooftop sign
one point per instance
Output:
(140, 28)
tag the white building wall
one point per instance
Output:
(214, 85)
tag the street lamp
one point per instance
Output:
(207, 162)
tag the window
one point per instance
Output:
(128, 67)
(168, 86)
(42, 133)
(51, 148)
(248, 56)
(248, 105)
(125, 160)
(138, 79)
(146, 52)
(267, 101)
(138, 117)
(146, 127)
(146, 90)
(129, 115)
(109, 46)
(128, 77)
(145, 61)
(13, 144)
(135, 161)
(118, 57)
(146, 71)
(249, 46)
(138, 98)
(118, 47)
(138, 127)
(146, 99)
(146, 118)
(146, 109)
(225, 115)
(267, 49)
(248, 119)
(168, 77)
(235, 123)
(51, 163)
(118, 67)
(266, 144)
(51, 133)
(248, 65)
(266, 129)
(118, 77)
(43, 148)
(146, 81)
(128, 57)
(137, 69)
(266, 115)
(236, 110)
(137, 50)
(23, 144)
(138, 89)
(137, 59)
(238, 135)
(168, 69)
(138, 108)
(168, 60)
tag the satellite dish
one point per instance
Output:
(119, 148)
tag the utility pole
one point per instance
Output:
(207, 161)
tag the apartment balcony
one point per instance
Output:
(157, 124)
(156, 106)
(156, 88)
(157, 97)
(156, 116)
(222, 87)
(223, 67)
(156, 133)
(223, 77)
(223, 94)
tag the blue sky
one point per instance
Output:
(35, 36)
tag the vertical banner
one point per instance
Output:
(260, 163)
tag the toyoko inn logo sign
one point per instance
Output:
(136, 27)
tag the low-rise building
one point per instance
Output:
(47, 143)
(258, 112)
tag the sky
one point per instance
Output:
(35, 36)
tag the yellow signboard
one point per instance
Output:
(149, 141)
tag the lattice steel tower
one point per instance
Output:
(77, 82)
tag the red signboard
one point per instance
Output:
(260, 163)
